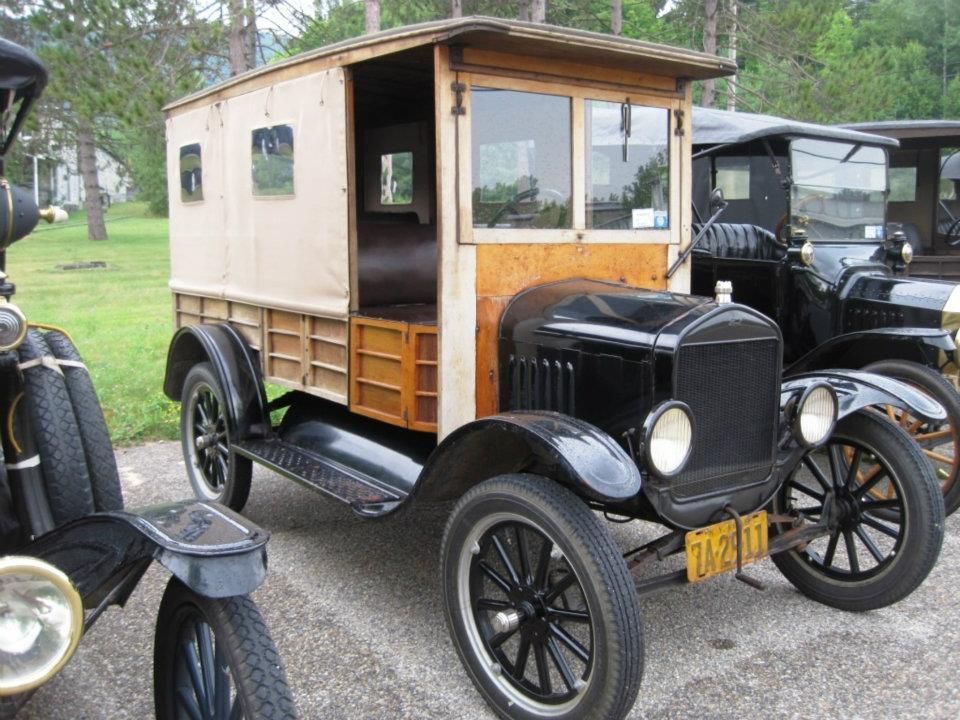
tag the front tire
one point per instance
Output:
(214, 471)
(940, 443)
(214, 658)
(880, 548)
(539, 602)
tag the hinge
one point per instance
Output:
(678, 123)
(459, 88)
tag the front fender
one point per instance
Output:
(857, 390)
(858, 349)
(211, 549)
(573, 452)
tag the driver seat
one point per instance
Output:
(739, 241)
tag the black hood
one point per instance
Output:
(871, 301)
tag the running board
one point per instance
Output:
(365, 495)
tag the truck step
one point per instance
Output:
(364, 494)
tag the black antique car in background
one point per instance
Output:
(801, 234)
(69, 550)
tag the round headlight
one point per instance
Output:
(816, 415)
(807, 253)
(669, 438)
(906, 253)
(41, 620)
(13, 327)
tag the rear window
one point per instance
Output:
(272, 160)
(191, 173)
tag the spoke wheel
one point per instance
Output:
(939, 442)
(539, 602)
(214, 660)
(880, 548)
(215, 472)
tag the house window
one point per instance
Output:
(396, 178)
(272, 160)
(521, 159)
(628, 171)
(191, 174)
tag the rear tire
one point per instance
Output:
(216, 654)
(939, 388)
(215, 472)
(879, 551)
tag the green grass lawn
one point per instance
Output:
(120, 317)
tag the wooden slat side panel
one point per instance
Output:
(425, 356)
(505, 270)
(214, 310)
(284, 340)
(376, 369)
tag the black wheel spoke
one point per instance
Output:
(871, 483)
(543, 670)
(208, 664)
(523, 651)
(187, 701)
(561, 662)
(191, 661)
(543, 565)
(222, 692)
(817, 473)
(505, 559)
(851, 479)
(560, 588)
(236, 712)
(500, 638)
(879, 526)
(869, 544)
(811, 510)
(831, 549)
(834, 454)
(851, 551)
(806, 490)
(571, 642)
(493, 605)
(495, 577)
(202, 411)
(871, 505)
(523, 551)
(577, 616)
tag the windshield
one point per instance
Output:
(839, 190)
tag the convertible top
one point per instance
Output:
(723, 127)
(915, 134)
(22, 79)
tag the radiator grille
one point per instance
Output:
(733, 391)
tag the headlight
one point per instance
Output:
(906, 253)
(41, 620)
(807, 253)
(13, 327)
(816, 415)
(668, 438)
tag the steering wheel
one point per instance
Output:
(529, 194)
(953, 234)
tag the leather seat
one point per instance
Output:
(741, 241)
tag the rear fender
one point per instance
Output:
(858, 349)
(236, 369)
(212, 550)
(857, 390)
(576, 454)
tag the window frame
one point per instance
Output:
(579, 233)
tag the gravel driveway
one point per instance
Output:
(354, 607)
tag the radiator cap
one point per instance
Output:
(724, 292)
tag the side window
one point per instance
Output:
(191, 174)
(628, 170)
(521, 158)
(272, 160)
(396, 178)
(733, 177)
(903, 184)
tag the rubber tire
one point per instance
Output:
(939, 388)
(924, 523)
(94, 435)
(239, 629)
(57, 435)
(588, 547)
(236, 488)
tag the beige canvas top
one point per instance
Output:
(509, 36)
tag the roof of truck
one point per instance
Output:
(509, 36)
(723, 127)
(915, 133)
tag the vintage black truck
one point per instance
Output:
(449, 244)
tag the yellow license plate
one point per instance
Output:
(713, 550)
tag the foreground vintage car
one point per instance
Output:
(68, 549)
(449, 243)
(801, 236)
(924, 200)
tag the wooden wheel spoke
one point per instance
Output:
(933, 435)
(937, 457)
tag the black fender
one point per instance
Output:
(212, 550)
(575, 453)
(236, 368)
(857, 390)
(858, 349)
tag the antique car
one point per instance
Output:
(924, 202)
(68, 549)
(801, 236)
(444, 248)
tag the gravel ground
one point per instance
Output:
(354, 608)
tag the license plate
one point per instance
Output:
(713, 550)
